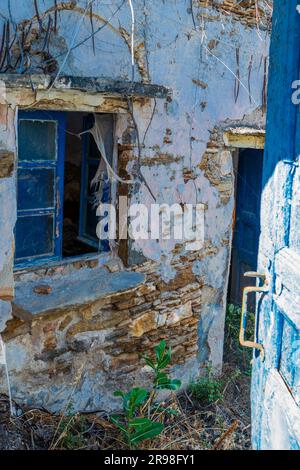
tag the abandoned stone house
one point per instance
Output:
(76, 315)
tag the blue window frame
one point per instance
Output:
(40, 186)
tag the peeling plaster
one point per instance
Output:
(183, 158)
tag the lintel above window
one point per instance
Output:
(91, 92)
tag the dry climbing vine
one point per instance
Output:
(32, 44)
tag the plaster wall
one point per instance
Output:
(214, 65)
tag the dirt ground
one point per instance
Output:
(223, 424)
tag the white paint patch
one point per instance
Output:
(2, 352)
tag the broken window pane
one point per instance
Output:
(37, 140)
(35, 188)
(34, 236)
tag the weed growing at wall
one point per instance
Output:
(207, 389)
(142, 416)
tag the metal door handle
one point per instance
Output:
(246, 291)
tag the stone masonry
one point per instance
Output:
(177, 131)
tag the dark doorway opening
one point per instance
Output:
(248, 166)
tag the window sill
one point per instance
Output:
(71, 290)
(89, 260)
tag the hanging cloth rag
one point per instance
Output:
(99, 131)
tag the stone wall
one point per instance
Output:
(215, 69)
(98, 348)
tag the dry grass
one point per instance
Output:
(223, 425)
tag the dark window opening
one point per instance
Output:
(73, 181)
(56, 200)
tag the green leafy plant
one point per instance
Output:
(135, 428)
(207, 389)
(158, 365)
(139, 421)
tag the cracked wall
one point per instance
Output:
(214, 61)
